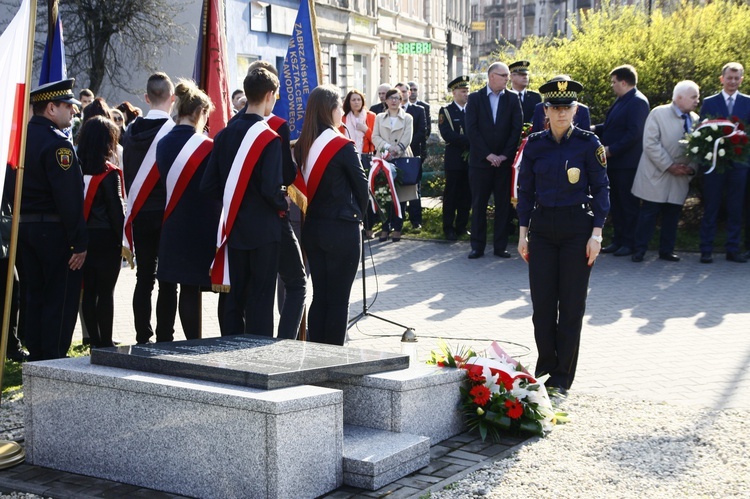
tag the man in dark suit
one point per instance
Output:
(621, 135)
(519, 82)
(418, 148)
(493, 123)
(414, 99)
(732, 181)
(452, 126)
(381, 106)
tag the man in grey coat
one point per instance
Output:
(663, 176)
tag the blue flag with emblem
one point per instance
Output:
(53, 62)
(301, 70)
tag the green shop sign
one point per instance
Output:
(410, 48)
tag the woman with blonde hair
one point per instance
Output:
(337, 195)
(391, 137)
(191, 219)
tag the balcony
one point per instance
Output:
(529, 10)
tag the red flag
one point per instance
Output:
(14, 44)
(210, 71)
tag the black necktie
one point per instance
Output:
(685, 123)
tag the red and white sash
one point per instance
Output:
(91, 185)
(515, 170)
(275, 122)
(250, 150)
(190, 157)
(145, 180)
(322, 151)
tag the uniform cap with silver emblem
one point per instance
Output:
(56, 91)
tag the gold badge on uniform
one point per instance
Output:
(64, 157)
(601, 156)
(574, 175)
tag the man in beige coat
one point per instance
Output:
(663, 175)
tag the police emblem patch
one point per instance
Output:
(64, 157)
(601, 156)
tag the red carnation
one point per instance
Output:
(481, 394)
(515, 408)
(727, 130)
(734, 139)
(738, 151)
(474, 371)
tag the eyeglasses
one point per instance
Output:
(394, 97)
(503, 75)
(117, 119)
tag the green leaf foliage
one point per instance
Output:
(690, 42)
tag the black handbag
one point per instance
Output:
(410, 170)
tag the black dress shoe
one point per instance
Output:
(502, 253)
(670, 257)
(637, 257)
(623, 251)
(475, 254)
(706, 257)
(450, 235)
(610, 249)
(736, 256)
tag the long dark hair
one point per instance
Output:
(97, 108)
(129, 111)
(318, 116)
(97, 144)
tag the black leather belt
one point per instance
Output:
(39, 217)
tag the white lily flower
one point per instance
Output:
(709, 138)
(696, 134)
(694, 149)
(714, 127)
(722, 152)
(709, 155)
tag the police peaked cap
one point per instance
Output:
(56, 91)
(558, 92)
(519, 67)
(459, 82)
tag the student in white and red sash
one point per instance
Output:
(188, 232)
(244, 170)
(146, 200)
(337, 195)
(104, 211)
(292, 287)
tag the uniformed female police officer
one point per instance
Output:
(563, 199)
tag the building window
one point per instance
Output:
(259, 14)
(243, 62)
(360, 73)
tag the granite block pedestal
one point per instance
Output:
(189, 437)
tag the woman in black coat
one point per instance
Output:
(105, 215)
(191, 219)
(337, 195)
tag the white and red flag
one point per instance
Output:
(14, 44)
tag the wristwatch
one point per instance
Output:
(598, 239)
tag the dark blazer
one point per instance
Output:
(452, 126)
(528, 105)
(428, 119)
(418, 138)
(582, 118)
(378, 108)
(258, 222)
(108, 207)
(716, 107)
(342, 192)
(500, 137)
(622, 130)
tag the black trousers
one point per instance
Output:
(333, 251)
(647, 216)
(100, 272)
(559, 278)
(252, 277)
(456, 201)
(293, 286)
(485, 182)
(624, 206)
(52, 290)
(146, 235)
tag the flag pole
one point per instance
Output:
(17, 198)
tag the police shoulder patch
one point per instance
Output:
(601, 156)
(64, 157)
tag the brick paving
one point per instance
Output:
(668, 332)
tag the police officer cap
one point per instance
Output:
(560, 92)
(56, 91)
(459, 82)
(519, 67)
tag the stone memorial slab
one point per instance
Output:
(252, 361)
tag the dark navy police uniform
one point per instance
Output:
(563, 193)
(52, 229)
(457, 195)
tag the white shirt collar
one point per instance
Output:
(490, 92)
(156, 114)
(726, 95)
